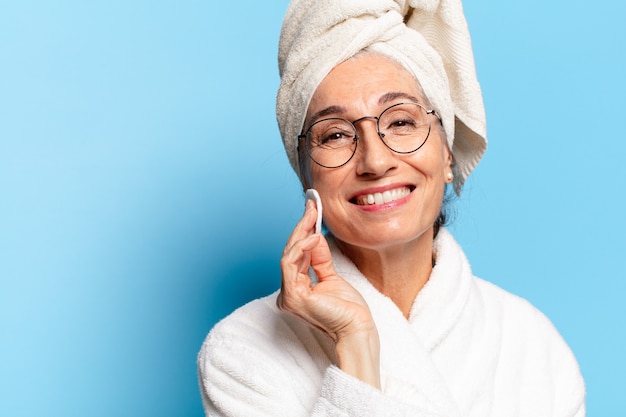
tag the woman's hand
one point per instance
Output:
(332, 305)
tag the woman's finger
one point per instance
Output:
(296, 261)
(305, 226)
(321, 260)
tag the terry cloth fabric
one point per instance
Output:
(428, 37)
(468, 349)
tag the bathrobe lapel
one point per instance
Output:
(407, 369)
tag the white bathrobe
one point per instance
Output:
(469, 349)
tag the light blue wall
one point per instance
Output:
(144, 192)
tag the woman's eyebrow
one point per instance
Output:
(386, 98)
(325, 112)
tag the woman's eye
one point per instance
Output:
(402, 123)
(335, 136)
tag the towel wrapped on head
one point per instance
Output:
(427, 37)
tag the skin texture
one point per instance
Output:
(390, 243)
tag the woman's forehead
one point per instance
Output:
(369, 78)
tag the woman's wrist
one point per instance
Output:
(358, 355)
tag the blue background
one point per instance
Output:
(144, 191)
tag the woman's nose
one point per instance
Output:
(373, 157)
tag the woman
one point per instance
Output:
(380, 110)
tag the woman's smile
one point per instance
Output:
(382, 197)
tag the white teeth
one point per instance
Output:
(384, 197)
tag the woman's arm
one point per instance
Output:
(257, 364)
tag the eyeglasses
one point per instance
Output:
(403, 128)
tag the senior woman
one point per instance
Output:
(380, 111)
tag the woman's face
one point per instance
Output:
(412, 184)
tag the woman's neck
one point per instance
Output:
(399, 271)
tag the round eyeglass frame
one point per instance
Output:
(380, 135)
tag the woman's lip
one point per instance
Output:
(382, 195)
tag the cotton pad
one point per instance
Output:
(312, 194)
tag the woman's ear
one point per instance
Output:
(449, 165)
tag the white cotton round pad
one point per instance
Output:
(312, 194)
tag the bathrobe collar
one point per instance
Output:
(407, 370)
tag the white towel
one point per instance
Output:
(428, 37)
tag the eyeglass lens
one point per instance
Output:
(403, 127)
